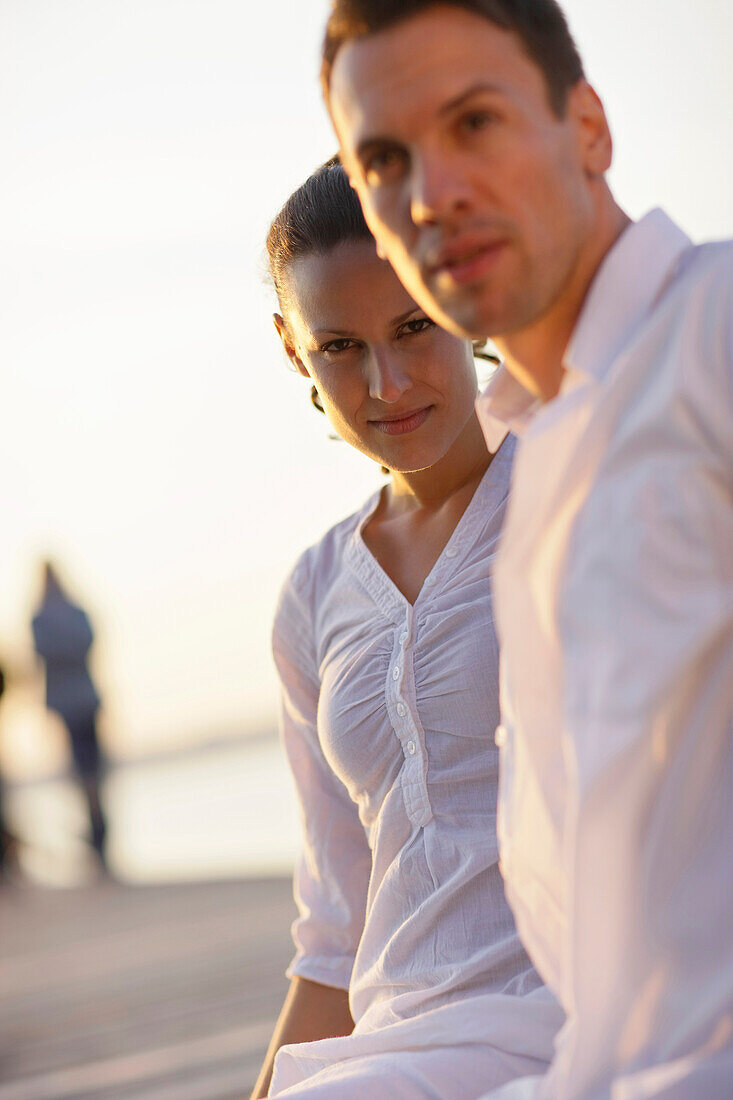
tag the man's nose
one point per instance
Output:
(440, 189)
(387, 378)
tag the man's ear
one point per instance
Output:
(289, 346)
(594, 135)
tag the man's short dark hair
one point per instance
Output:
(540, 25)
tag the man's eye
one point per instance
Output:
(335, 346)
(417, 324)
(383, 165)
(477, 120)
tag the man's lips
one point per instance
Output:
(465, 260)
(400, 424)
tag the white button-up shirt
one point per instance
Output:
(389, 712)
(614, 595)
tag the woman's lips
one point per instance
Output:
(403, 424)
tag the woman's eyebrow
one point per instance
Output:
(320, 331)
(326, 330)
(403, 316)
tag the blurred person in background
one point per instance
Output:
(6, 840)
(409, 976)
(62, 637)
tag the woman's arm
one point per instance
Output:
(311, 1011)
(332, 876)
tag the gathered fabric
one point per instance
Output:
(388, 719)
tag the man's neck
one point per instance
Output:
(534, 355)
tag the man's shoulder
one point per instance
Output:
(700, 303)
(695, 319)
(706, 269)
(696, 308)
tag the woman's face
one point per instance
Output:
(392, 383)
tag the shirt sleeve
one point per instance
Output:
(332, 875)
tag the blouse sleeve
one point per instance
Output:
(332, 875)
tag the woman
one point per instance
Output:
(408, 975)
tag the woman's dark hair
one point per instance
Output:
(540, 26)
(322, 213)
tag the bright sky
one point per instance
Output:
(151, 436)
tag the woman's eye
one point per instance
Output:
(417, 324)
(335, 346)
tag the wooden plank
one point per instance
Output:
(115, 991)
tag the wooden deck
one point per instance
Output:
(162, 993)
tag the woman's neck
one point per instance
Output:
(462, 467)
(418, 512)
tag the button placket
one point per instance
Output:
(505, 805)
(400, 698)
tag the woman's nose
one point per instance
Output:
(388, 380)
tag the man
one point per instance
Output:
(6, 838)
(479, 152)
(62, 637)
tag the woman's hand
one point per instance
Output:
(311, 1011)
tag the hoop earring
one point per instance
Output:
(480, 352)
(316, 400)
(316, 403)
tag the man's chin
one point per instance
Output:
(462, 318)
(460, 313)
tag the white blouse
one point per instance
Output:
(388, 717)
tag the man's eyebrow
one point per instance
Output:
(460, 99)
(368, 144)
(379, 141)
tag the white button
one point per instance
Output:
(451, 552)
(500, 737)
(401, 710)
(403, 637)
(429, 580)
(411, 747)
(396, 673)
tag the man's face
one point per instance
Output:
(477, 192)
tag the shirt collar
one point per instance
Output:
(626, 286)
(503, 406)
(624, 290)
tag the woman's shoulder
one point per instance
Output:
(320, 564)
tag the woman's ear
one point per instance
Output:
(287, 342)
